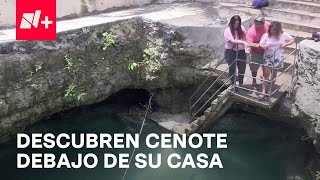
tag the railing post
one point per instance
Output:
(294, 66)
(235, 72)
(270, 87)
(271, 79)
(190, 108)
(203, 83)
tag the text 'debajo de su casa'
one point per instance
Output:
(121, 161)
(127, 142)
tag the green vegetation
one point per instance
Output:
(81, 96)
(150, 57)
(109, 39)
(317, 176)
(2, 103)
(158, 42)
(69, 63)
(35, 86)
(149, 53)
(314, 121)
(38, 66)
(72, 93)
(132, 65)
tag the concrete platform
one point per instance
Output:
(299, 34)
(313, 7)
(293, 14)
(296, 25)
(176, 123)
(311, 45)
(315, 1)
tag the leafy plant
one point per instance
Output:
(108, 69)
(69, 63)
(109, 39)
(155, 65)
(317, 175)
(38, 67)
(314, 121)
(132, 65)
(81, 96)
(70, 91)
(2, 103)
(35, 86)
(158, 42)
(149, 54)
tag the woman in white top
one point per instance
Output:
(274, 43)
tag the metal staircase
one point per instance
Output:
(201, 99)
(211, 100)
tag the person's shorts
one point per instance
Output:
(256, 60)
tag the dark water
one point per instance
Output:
(258, 149)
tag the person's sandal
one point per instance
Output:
(255, 87)
(262, 97)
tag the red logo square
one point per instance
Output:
(36, 19)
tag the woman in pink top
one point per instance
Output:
(235, 36)
(274, 43)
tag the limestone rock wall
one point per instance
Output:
(308, 96)
(39, 78)
(310, 61)
(308, 93)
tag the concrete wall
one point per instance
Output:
(73, 7)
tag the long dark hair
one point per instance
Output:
(240, 32)
(277, 26)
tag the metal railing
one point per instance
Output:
(194, 111)
(197, 101)
(271, 93)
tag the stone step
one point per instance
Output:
(248, 10)
(194, 124)
(291, 14)
(214, 106)
(220, 97)
(296, 26)
(201, 119)
(216, 101)
(315, 1)
(212, 115)
(300, 35)
(313, 7)
(208, 111)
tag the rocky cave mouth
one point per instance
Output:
(121, 102)
(127, 98)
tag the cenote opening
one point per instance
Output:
(258, 149)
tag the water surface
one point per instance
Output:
(258, 149)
